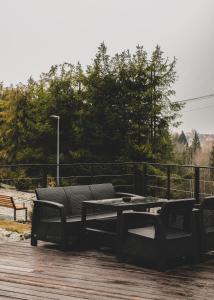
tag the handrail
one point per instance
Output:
(104, 163)
(142, 177)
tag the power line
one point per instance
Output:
(200, 108)
(205, 97)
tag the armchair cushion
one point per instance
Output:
(148, 231)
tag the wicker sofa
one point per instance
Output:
(57, 212)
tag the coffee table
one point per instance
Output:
(119, 206)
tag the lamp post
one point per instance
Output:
(57, 159)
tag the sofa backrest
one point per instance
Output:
(54, 194)
(102, 191)
(73, 196)
(76, 195)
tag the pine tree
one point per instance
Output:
(118, 109)
(196, 145)
(182, 139)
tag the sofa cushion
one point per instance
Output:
(76, 195)
(102, 191)
(54, 194)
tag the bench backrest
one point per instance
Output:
(6, 201)
(73, 196)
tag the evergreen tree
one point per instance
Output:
(182, 139)
(118, 109)
(196, 145)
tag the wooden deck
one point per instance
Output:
(43, 273)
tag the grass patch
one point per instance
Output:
(15, 226)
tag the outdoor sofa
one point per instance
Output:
(57, 212)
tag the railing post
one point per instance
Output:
(144, 180)
(92, 174)
(137, 181)
(44, 177)
(168, 192)
(197, 184)
(140, 180)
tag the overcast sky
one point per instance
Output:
(36, 34)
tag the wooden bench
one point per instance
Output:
(8, 201)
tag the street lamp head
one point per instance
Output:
(55, 116)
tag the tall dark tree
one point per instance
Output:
(182, 139)
(118, 109)
(196, 144)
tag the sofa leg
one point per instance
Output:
(34, 241)
(193, 259)
(161, 266)
(64, 246)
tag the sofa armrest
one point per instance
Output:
(54, 205)
(49, 204)
(126, 195)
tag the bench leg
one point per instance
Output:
(25, 214)
(14, 214)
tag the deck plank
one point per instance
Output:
(45, 273)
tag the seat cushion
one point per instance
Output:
(173, 233)
(148, 231)
(54, 194)
(102, 191)
(77, 219)
(76, 195)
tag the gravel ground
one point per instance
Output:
(6, 235)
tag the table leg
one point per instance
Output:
(119, 237)
(83, 225)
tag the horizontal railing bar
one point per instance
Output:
(105, 163)
(184, 179)
(157, 176)
(157, 187)
(185, 191)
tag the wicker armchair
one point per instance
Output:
(206, 224)
(164, 236)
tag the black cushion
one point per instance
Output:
(76, 195)
(102, 191)
(208, 217)
(54, 194)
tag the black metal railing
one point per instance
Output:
(163, 180)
